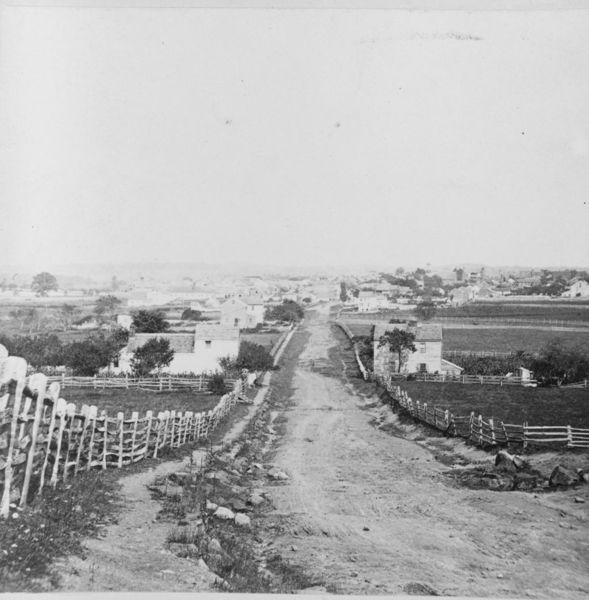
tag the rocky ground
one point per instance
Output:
(329, 490)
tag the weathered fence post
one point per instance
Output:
(569, 436)
(61, 408)
(492, 426)
(149, 417)
(92, 415)
(54, 390)
(121, 421)
(104, 415)
(134, 418)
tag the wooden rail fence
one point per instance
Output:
(167, 382)
(44, 439)
(486, 432)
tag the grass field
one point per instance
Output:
(510, 339)
(127, 401)
(519, 310)
(510, 404)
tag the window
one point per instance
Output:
(423, 368)
(208, 343)
(422, 348)
(235, 322)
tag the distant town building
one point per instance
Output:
(242, 313)
(579, 289)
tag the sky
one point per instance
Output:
(293, 137)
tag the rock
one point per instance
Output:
(579, 500)
(255, 500)
(219, 561)
(500, 484)
(184, 550)
(365, 528)
(276, 473)
(524, 481)
(242, 520)
(214, 546)
(224, 513)
(181, 478)
(562, 476)
(511, 463)
(564, 525)
(582, 476)
(218, 476)
(211, 507)
(416, 588)
(239, 505)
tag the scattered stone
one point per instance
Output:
(211, 507)
(224, 513)
(500, 484)
(293, 548)
(509, 462)
(214, 546)
(579, 500)
(238, 505)
(564, 525)
(255, 500)
(181, 478)
(365, 528)
(218, 476)
(562, 476)
(242, 520)
(276, 473)
(583, 477)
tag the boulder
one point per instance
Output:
(239, 505)
(562, 476)
(242, 520)
(276, 473)
(582, 475)
(211, 507)
(509, 462)
(500, 484)
(224, 513)
(217, 476)
(255, 500)
(214, 546)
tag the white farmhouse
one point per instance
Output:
(579, 289)
(245, 312)
(197, 352)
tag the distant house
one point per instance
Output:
(197, 352)
(370, 302)
(244, 312)
(485, 292)
(427, 357)
(461, 295)
(579, 289)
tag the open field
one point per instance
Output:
(536, 406)
(548, 311)
(127, 401)
(510, 339)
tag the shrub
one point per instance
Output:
(253, 357)
(216, 384)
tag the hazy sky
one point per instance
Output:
(294, 136)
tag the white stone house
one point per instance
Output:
(370, 302)
(244, 312)
(427, 357)
(197, 352)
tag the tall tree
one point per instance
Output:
(155, 354)
(43, 283)
(399, 342)
(425, 310)
(343, 293)
(150, 321)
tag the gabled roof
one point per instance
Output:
(249, 300)
(207, 331)
(181, 343)
(430, 332)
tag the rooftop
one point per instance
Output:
(423, 332)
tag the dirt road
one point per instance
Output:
(369, 512)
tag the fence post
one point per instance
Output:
(60, 431)
(92, 414)
(569, 436)
(481, 430)
(149, 417)
(170, 381)
(492, 426)
(105, 440)
(54, 395)
(94, 382)
(127, 381)
(524, 434)
(134, 417)
(161, 383)
(85, 412)
(121, 420)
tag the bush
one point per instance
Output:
(288, 311)
(253, 357)
(216, 384)
(150, 321)
(153, 355)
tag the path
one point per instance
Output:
(372, 513)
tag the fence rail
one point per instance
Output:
(486, 432)
(167, 382)
(44, 439)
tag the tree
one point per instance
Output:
(399, 342)
(150, 321)
(155, 354)
(106, 306)
(44, 282)
(343, 294)
(216, 384)
(289, 311)
(253, 357)
(67, 313)
(557, 363)
(425, 310)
